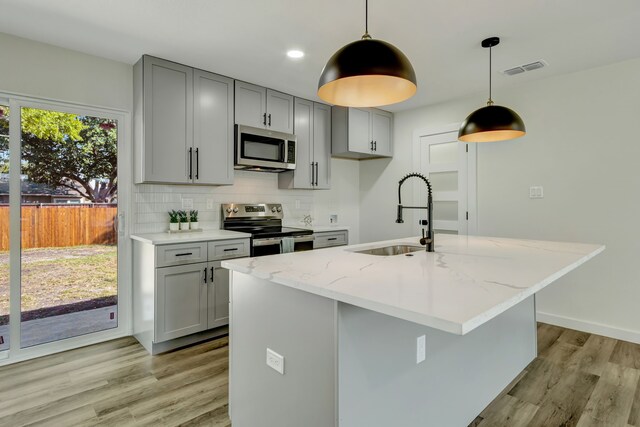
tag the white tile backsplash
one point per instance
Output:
(152, 202)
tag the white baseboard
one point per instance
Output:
(591, 327)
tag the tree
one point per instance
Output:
(75, 152)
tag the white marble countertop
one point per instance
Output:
(196, 236)
(467, 281)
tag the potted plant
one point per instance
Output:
(193, 220)
(184, 220)
(173, 220)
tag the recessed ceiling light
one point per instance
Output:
(295, 54)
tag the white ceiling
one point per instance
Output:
(248, 39)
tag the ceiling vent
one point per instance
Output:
(527, 67)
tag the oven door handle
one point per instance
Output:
(267, 242)
(300, 239)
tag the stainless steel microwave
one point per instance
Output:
(264, 150)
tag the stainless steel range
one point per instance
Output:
(264, 222)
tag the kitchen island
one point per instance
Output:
(418, 339)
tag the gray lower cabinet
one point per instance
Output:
(181, 291)
(218, 295)
(361, 133)
(313, 148)
(181, 301)
(265, 108)
(183, 124)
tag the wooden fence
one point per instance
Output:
(45, 226)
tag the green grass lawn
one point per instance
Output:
(57, 276)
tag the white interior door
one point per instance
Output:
(450, 166)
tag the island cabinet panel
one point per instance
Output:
(361, 133)
(300, 327)
(313, 148)
(460, 376)
(264, 108)
(181, 301)
(183, 124)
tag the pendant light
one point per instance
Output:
(367, 73)
(493, 122)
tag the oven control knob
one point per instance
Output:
(229, 210)
(273, 209)
(235, 210)
(279, 209)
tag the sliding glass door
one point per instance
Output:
(60, 273)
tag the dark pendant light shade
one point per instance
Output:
(493, 122)
(367, 73)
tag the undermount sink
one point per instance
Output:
(391, 250)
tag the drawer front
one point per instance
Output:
(183, 253)
(222, 249)
(333, 238)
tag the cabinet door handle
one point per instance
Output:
(211, 274)
(332, 238)
(231, 249)
(205, 275)
(269, 119)
(312, 172)
(264, 119)
(317, 174)
(185, 254)
(197, 163)
(190, 163)
(375, 146)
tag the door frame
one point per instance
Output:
(470, 175)
(124, 328)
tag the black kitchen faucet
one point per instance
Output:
(427, 240)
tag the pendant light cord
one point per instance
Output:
(366, 20)
(490, 101)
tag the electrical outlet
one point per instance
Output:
(536, 192)
(112, 315)
(209, 204)
(333, 219)
(275, 361)
(187, 203)
(421, 349)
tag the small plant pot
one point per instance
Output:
(174, 226)
(184, 226)
(194, 225)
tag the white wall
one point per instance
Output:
(582, 145)
(46, 71)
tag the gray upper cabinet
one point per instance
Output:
(313, 147)
(263, 108)
(163, 120)
(213, 128)
(183, 124)
(361, 133)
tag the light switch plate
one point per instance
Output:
(209, 204)
(275, 361)
(333, 218)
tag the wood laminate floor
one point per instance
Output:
(578, 379)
